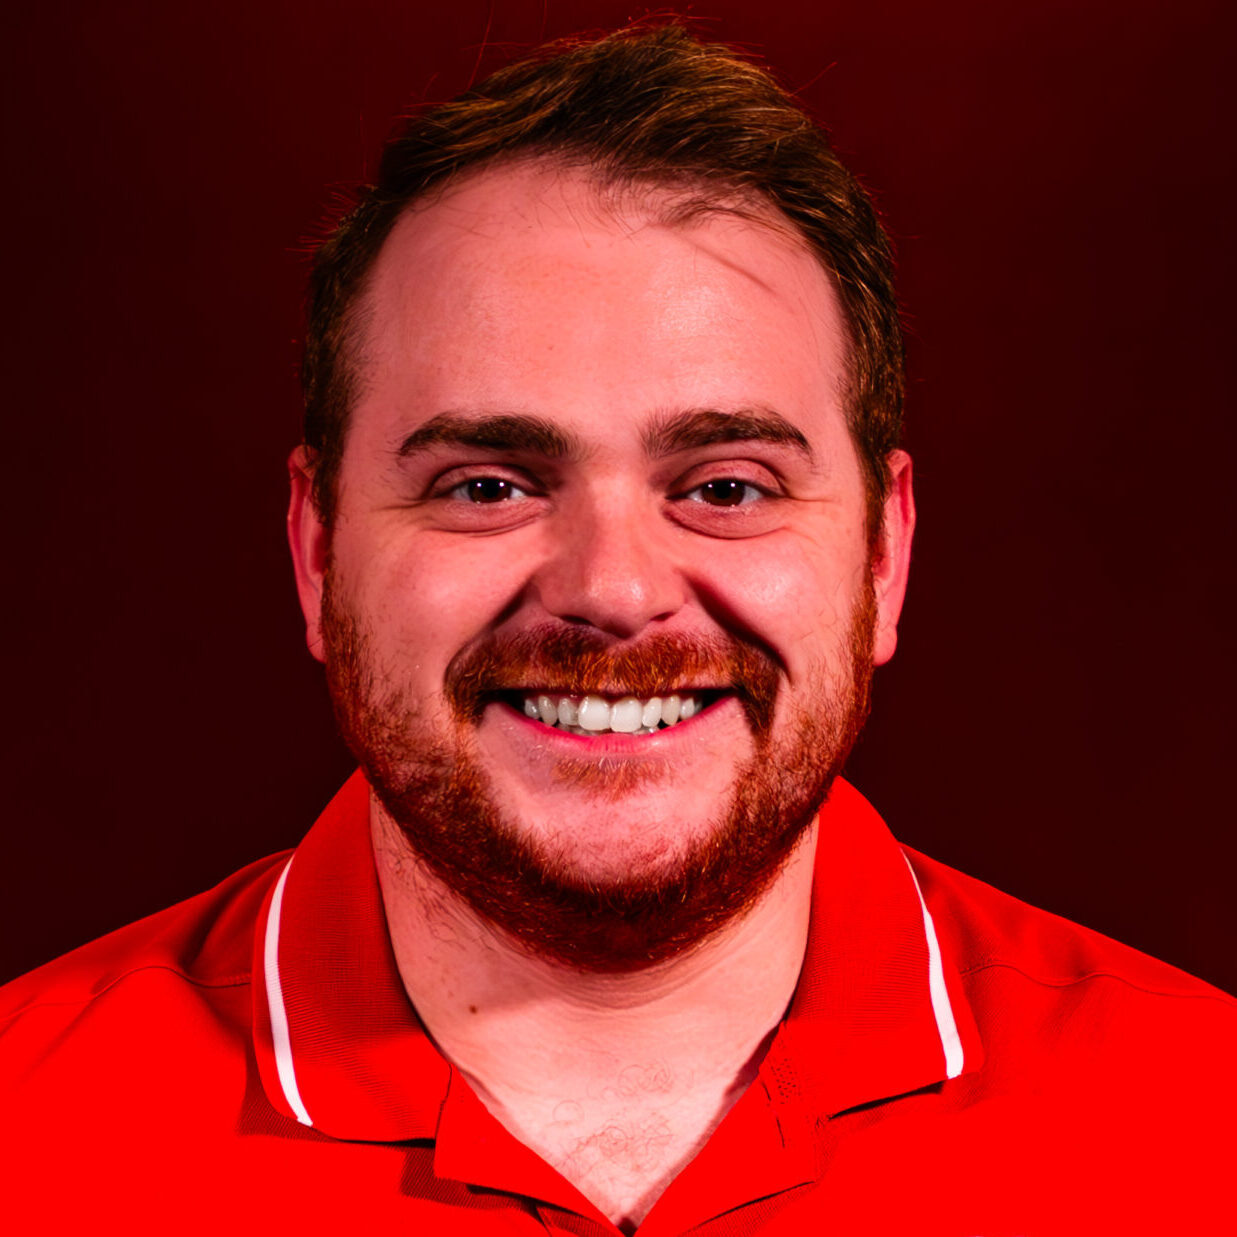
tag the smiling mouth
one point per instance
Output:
(596, 715)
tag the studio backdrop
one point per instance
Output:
(1058, 177)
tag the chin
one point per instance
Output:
(618, 846)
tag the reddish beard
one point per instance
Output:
(450, 815)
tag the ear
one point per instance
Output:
(308, 541)
(891, 558)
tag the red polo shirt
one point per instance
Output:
(954, 1062)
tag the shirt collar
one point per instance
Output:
(878, 1011)
(338, 1043)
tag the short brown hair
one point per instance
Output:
(644, 105)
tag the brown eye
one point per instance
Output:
(488, 489)
(725, 492)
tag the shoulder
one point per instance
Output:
(201, 945)
(144, 1039)
(1028, 970)
(1101, 1072)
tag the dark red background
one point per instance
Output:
(1059, 177)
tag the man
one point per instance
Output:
(600, 526)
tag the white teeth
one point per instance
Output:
(625, 715)
(594, 715)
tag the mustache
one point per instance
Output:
(581, 661)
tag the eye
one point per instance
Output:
(726, 492)
(482, 498)
(748, 502)
(487, 490)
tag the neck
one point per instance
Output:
(558, 1056)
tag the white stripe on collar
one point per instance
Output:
(946, 1027)
(274, 999)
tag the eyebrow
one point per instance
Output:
(506, 431)
(703, 427)
(668, 434)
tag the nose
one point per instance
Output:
(611, 568)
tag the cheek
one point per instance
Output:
(796, 594)
(430, 595)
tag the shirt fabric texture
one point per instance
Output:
(953, 1062)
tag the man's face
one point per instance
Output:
(598, 471)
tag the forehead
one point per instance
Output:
(530, 288)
